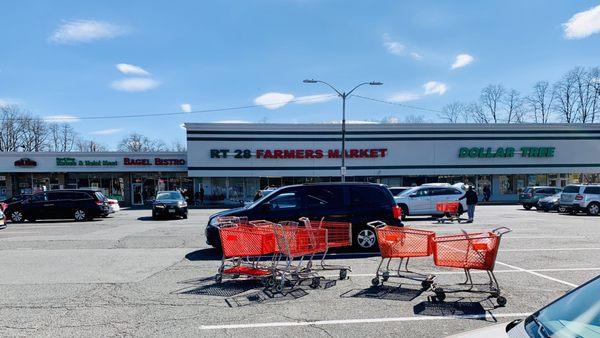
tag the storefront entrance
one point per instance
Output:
(137, 196)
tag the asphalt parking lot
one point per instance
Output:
(130, 276)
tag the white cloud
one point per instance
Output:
(135, 84)
(232, 121)
(394, 47)
(61, 118)
(186, 107)
(126, 68)
(106, 131)
(78, 31)
(434, 87)
(182, 126)
(416, 56)
(273, 100)
(308, 99)
(462, 60)
(583, 24)
(404, 97)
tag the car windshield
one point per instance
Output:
(169, 195)
(575, 315)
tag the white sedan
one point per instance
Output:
(113, 205)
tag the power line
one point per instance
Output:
(397, 104)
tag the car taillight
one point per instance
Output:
(100, 203)
(579, 197)
(397, 212)
(112, 202)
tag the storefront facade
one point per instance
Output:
(232, 161)
(131, 178)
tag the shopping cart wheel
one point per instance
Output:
(271, 281)
(501, 301)
(343, 274)
(218, 278)
(375, 281)
(440, 295)
(316, 281)
(426, 284)
(385, 276)
(279, 288)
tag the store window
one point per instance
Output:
(217, 189)
(3, 188)
(507, 186)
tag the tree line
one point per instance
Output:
(22, 131)
(574, 98)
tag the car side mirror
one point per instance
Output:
(412, 195)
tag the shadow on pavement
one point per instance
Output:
(225, 289)
(432, 307)
(386, 292)
(204, 255)
(150, 219)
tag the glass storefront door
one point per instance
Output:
(137, 196)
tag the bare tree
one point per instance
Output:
(541, 101)
(34, 133)
(135, 142)
(565, 92)
(62, 137)
(585, 93)
(176, 145)
(491, 97)
(514, 107)
(89, 146)
(453, 112)
(474, 112)
(595, 81)
(414, 119)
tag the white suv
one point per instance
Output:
(421, 201)
(576, 198)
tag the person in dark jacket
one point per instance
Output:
(471, 197)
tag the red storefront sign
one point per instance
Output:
(157, 161)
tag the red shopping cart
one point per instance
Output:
(296, 243)
(470, 251)
(450, 211)
(243, 247)
(339, 235)
(402, 243)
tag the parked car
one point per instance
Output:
(396, 191)
(113, 205)
(422, 200)
(581, 198)
(358, 203)
(576, 314)
(2, 220)
(550, 203)
(169, 204)
(80, 205)
(531, 195)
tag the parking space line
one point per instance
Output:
(486, 316)
(544, 237)
(538, 274)
(374, 254)
(481, 271)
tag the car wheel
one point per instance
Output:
(593, 209)
(526, 206)
(404, 209)
(365, 239)
(17, 217)
(79, 215)
(185, 215)
(562, 210)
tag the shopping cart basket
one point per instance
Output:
(232, 220)
(243, 247)
(339, 235)
(295, 244)
(470, 251)
(450, 211)
(402, 243)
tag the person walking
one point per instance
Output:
(201, 195)
(487, 192)
(471, 197)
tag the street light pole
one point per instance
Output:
(344, 96)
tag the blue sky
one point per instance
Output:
(61, 57)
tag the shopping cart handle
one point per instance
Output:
(376, 224)
(305, 221)
(501, 231)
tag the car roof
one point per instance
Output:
(165, 191)
(399, 187)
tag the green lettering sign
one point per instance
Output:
(505, 152)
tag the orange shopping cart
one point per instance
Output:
(339, 235)
(243, 246)
(470, 251)
(402, 243)
(295, 244)
(450, 211)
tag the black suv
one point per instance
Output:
(80, 205)
(358, 203)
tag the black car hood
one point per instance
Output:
(230, 212)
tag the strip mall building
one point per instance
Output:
(232, 161)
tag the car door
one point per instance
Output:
(36, 207)
(327, 202)
(420, 202)
(282, 206)
(53, 207)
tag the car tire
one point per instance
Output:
(527, 206)
(562, 210)
(404, 209)
(154, 216)
(593, 209)
(185, 215)
(80, 215)
(17, 217)
(365, 239)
